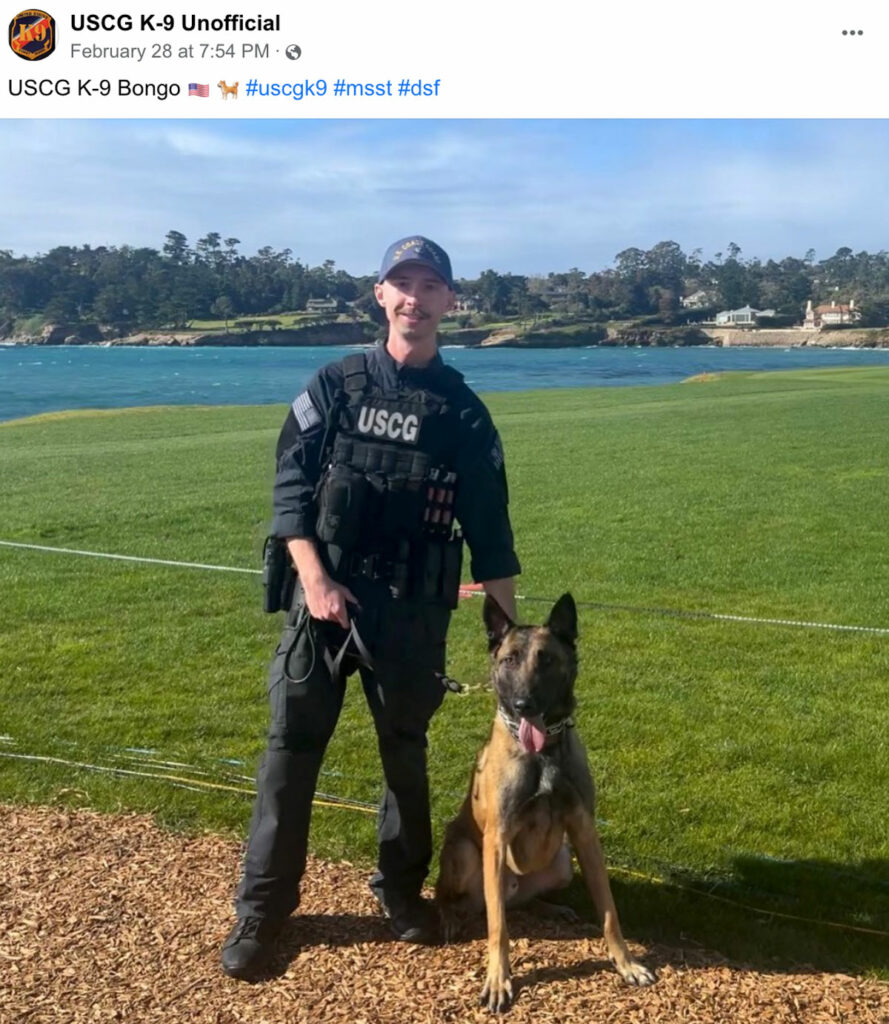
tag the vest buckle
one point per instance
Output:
(371, 567)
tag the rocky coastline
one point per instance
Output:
(109, 335)
(800, 337)
(365, 333)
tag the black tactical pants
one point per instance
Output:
(407, 645)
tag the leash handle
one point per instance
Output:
(335, 662)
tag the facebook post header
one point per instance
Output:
(466, 60)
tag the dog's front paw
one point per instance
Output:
(635, 973)
(497, 993)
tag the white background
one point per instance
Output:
(762, 59)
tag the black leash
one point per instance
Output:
(334, 662)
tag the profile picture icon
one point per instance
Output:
(32, 34)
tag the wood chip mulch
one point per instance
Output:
(106, 918)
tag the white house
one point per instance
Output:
(698, 299)
(743, 317)
(327, 305)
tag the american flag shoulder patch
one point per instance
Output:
(307, 416)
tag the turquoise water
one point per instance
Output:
(37, 379)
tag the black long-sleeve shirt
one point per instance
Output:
(481, 504)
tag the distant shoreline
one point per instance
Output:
(581, 336)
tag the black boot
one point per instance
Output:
(249, 947)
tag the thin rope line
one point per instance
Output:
(129, 558)
(344, 804)
(469, 590)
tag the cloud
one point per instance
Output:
(514, 195)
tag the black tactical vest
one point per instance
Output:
(385, 501)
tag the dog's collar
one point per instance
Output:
(551, 730)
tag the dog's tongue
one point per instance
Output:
(530, 737)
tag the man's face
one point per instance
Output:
(415, 299)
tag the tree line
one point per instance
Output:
(213, 279)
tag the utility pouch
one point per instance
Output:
(437, 579)
(451, 566)
(278, 576)
(430, 585)
(399, 584)
(342, 504)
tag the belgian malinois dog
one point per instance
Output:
(530, 789)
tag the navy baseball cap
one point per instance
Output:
(417, 249)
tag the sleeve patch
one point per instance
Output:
(497, 452)
(307, 416)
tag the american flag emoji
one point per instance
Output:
(198, 90)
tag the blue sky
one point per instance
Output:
(519, 196)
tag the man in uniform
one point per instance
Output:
(377, 458)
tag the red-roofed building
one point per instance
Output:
(831, 313)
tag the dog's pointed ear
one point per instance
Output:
(497, 622)
(563, 619)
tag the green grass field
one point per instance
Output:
(736, 762)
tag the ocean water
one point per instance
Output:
(38, 379)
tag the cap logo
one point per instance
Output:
(416, 243)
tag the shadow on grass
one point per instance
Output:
(777, 916)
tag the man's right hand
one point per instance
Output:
(325, 598)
